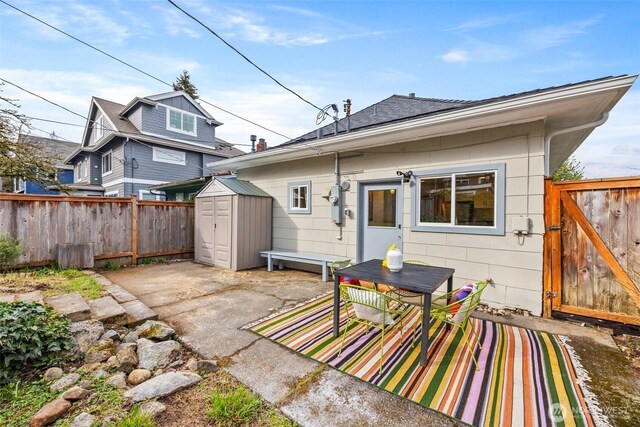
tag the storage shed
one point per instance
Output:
(232, 224)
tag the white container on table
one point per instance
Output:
(394, 260)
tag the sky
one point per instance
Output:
(326, 51)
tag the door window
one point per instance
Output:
(382, 208)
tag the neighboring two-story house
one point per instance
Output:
(152, 140)
(55, 149)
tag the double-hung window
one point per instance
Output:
(179, 121)
(107, 166)
(460, 200)
(299, 197)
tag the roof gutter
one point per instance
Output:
(550, 136)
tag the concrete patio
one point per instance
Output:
(208, 306)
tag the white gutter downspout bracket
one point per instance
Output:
(549, 137)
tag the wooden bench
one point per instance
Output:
(324, 260)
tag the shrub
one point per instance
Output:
(112, 266)
(234, 407)
(10, 250)
(31, 335)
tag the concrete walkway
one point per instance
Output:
(207, 306)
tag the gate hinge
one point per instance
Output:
(554, 228)
(550, 294)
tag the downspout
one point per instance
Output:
(548, 138)
(337, 173)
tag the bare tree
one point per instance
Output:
(21, 157)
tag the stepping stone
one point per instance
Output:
(138, 313)
(35, 296)
(108, 311)
(119, 294)
(7, 297)
(71, 305)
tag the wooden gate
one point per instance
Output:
(592, 249)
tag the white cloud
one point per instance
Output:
(552, 36)
(486, 22)
(178, 24)
(455, 56)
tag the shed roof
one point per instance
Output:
(237, 186)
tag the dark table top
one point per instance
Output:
(419, 278)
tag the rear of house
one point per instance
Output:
(454, 183)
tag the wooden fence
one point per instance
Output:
(592, 249)
(117, 227)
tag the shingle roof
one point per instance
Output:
(51, 147)
(112, 110)
(399, 108)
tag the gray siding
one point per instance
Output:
(135, 117)
(154, 121)
(93, 136)
(93, 160)
(119, 188)
(181, 103)
(117, 161)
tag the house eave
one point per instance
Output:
(602, 95)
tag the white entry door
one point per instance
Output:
(380, 219)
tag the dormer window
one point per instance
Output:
(179, 121)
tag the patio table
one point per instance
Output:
(424, 279)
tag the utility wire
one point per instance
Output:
(244, 56)
(137, 69)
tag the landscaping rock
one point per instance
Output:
(52, 374)
(118, 380)
(100, 351)
(138, 313)
(75, 393)
(174, 365)
(192, 364)
(109, 421)
(71, 305)
(83, 420)
(64, 382)
(111, 334)
(131, 337)
(100, 373)
(90, 367)
(86, 334)
(158, 372)
(126, 357)
(163, 385)
(111, 362)
(50, 412)
(155, 330)
(207, 366)
(138, 376)
(152, 355)
(152, 408)
(86, 384)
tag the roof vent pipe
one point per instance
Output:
(262, 145)
(549, 137)
(253, 138)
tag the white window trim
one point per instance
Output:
(298, 210)
(156, 159)
(450, 227)
(19, 185)
(195, 122)
(114, 193)
(141, 192)
(98, 125)
(108, 153)
(86, 165)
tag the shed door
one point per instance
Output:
(222, 232)
(204, 232)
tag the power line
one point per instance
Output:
(138, 69)
(244, 56)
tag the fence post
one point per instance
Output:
(134, 229)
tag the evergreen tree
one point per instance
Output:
(183, 83)
(570, 170)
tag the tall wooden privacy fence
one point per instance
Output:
(117, 227)
(592, 249)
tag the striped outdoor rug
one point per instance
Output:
(526, 378)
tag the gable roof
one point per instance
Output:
(408, 119)
(153, 99)
(51, 147)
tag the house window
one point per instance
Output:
(99, 126)
(147, 195)
(115, 193)
(299, 195)
(179, 121)
(18, 185)
(166, 155)
(107, 166)
(81, 170)
(460, 200)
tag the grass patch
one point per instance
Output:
(149, 261)
(19, 401)
(112, 266)
(234, 406)
(51, 281)
(135, 419)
